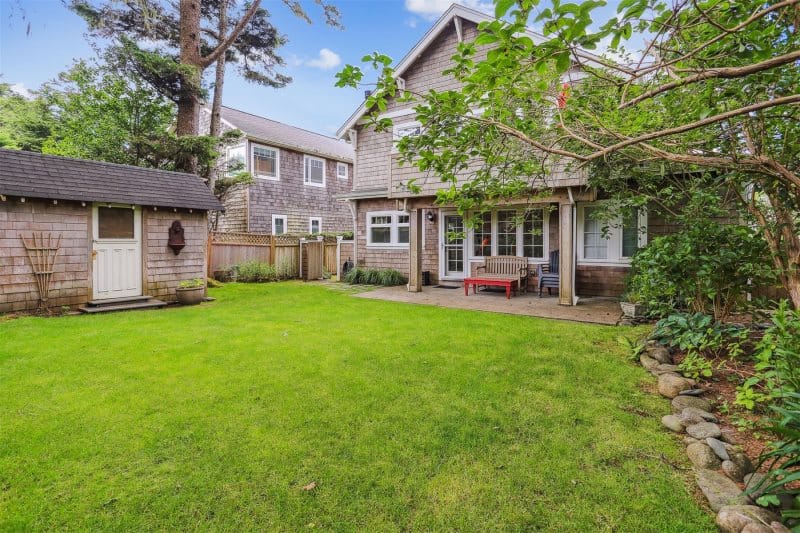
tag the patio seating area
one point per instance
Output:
(591, 310)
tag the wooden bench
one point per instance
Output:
(507, 271)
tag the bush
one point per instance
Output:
(375, 276)
(256, 271)
(699, 333)
(706, 267)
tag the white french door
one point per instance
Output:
(116, 251)
(452, 246)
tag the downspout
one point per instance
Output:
(574, 244)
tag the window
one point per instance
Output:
(511, 232)
(314, 225)
(115, 223)
(341, 170)
(266, 162)
(235, 160)
(279, 224)
(387, 228)
(314, 173)
(483, 237)
(617, 244)
(405, 130)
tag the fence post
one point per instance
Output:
(209, 250)
(272, 250)
(339, 258)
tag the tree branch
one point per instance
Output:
(230, 39)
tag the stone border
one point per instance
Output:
(718, 463)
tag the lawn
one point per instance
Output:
(406, 418)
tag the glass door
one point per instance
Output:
(453, 245)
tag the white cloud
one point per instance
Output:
(20, 89)
(327, 60)
(411, 22)
(431, 9)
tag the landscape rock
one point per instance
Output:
(672, 423)
(719, 448)
(670, 385)
(680, 403)
(689, 440)
(664, 368)
(692, 415)
(740, 459)
(692, 392)
(733, 470)
(753, 482)
(728, 437)
(734, 518)
(753, 527)
(703, 430)
(648, 362)
(777, 527)
(719, 490)
(702, 456)
(660, 354)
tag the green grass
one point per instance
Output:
(406, 417)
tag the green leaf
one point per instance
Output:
(502, 7)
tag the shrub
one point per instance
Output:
(192, 283)
(699, 333)
(777, 365)
(706, 267)
(285, 269)
(375, 276)
(255, 271)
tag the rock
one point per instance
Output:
(648, 362)
(670, 385)
(703, 430)
(753, 484)
(728, 437)
(672, 423)
(664, 368)
(692, 392)
(777, 527)
(702, 456)
(740, 459)
(719, 448)
(733, 470)
(692, 413)
(682, 402)
(689, 440)
(719, 490)
(753, 527)
(660, 354)
(734, 518)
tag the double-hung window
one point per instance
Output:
(610, 241)
(341, 170)
(235, 160)
(279, 226)
(314, 171)
(315, 225)
(387, 228)
(401, 131)
(266, 162)
(518, 232)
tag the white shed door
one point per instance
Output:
(116, 251)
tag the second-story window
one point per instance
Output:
(265, 162)
(341, 170)
(314, 172)
(235, 163)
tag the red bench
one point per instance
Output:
(492, 280)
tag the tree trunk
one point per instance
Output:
(188, 121)
(215, 128)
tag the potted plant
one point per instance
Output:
(632, 305)
(191, 291)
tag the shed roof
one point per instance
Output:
(286, 136)
(34, 175)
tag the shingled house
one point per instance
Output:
(107, 226)
(297, 173)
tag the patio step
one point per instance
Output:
(122, 304)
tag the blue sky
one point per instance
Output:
(32, 55)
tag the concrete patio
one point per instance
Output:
(592, 310)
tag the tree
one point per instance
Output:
(184, 40)
(24, 122)
(713, 94)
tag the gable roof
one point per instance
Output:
(285, 136)
(453, 12)
(34, 175)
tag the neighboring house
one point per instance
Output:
(387, 215)
(111, 224)
(297, 175)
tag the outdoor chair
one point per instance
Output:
(547, 275)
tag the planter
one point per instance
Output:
(633, 310)
(190, 296)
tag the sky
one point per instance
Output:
(40, 38)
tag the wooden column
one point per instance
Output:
(415, 250)
(566, 225)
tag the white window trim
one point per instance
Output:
(393, 232)
(239, 147)
(277, 175)
(520, 234)
(311, 224)
(397, 127)
(614, 255)
(285, 224)
(308, 182)
(346, 175)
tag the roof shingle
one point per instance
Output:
(35, 175)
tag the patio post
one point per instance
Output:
(415, 250)
(566, 225)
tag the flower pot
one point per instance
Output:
(190, 296)
(633, 310)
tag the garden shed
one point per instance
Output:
(75, 231)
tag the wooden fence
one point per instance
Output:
(226, 250)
